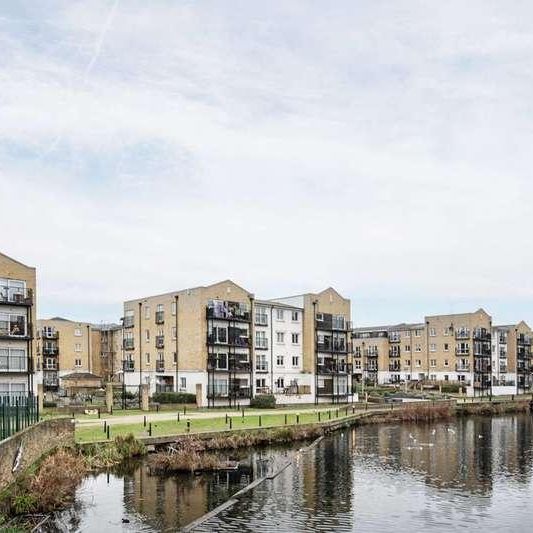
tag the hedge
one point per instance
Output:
(263, 401)
(173, 397)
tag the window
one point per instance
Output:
(418, 362)
(433, 362)
(12, 359)
(260, 383)
(221, 361)
(407, 348)
(407, 334)
(417, 333)
(12, 325)
(446, 347)
(261, 362)
(295, 360)
(320, 317)
(280, 360)
(174, 332)
(280, 383)
(77, 362)
(77, 332)
(183, 383)
(147, 358)
(280, 313)
(358, 351)
(418, 348)
(147, 335)
(218, 335)
(295, 316)
(432, 332)
(295, 338)
(147, 312)
(175, 357)
(432, 347)
(261, 340)
(407, 362)
(446, 362)
(280, 337)
(173, 308)
(433, 377)
(159, 308)
(77, 347)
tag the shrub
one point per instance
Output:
(129, 446)
(263, 401)
(49, 404)
(174, 397)
(451, 389)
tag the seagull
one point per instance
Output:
(451, 431)
(480, 436)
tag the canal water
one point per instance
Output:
(470, 474)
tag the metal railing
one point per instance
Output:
(160, 317)
(160, 366)
(160, 341)
(16, 295)
(129, 321)
(128, 344)
(17, 413)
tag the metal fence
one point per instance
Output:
(17, 413)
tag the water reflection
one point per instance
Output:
(469, 474)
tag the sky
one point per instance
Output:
(380, 147)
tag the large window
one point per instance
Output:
(12, 290)
(12, 325)
(13, 360)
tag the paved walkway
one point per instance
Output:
(152, 416)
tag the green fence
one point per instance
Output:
(17, 413)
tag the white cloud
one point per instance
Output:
(382, 147)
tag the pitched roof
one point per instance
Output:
(15, 261)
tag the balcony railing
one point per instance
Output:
(52, 335)
(482, 351)
(160, 341)
(159, 317)
(50, 350)
(51, 366)
(334, 347)
(394, 368)
(394, 353)
(13, 364)
(261, 319)
(261, 343)
(462, 351)
(17, 329)
(239, 342)
(395, 337)
(523, 340)
(462, 368)
(16, 296)
(334, 368)
(223, 310)
(129, 321)
(160, 366)
(128, 366)
(482, 335)
(462, 334)
(128, 344)
(502, 339)
(371, 353)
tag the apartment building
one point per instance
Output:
(511, 356)
(109, 345)
(327, 347)
(17, 312)
(64, 348)
(278, 353)
(223, 345)
(462, 348)
(195, 340)
(389, 354)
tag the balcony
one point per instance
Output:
(236, 341)
(502, 339)
(16, 296)
(503, 369)
(334, 346)
(50, 350)
(261, 343)
(241, 392)
(394, 368)
(49, 335)
(159, 366)
(481, 334)
(329, 323)
(261, 319)
(503, 354)
(129, 321)
(394, 353)
(371, 353)
(462, 334)
(462, 351)
(128, 366)
(482, 351)
(231, 311)
(128, 344)
(333, 367)
(14, 364)
(159, 317)
(237, 365)
(160, 341)
(462, 368)
(395, 337)
(51, 366)
(523, 340)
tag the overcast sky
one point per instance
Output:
(381, 147)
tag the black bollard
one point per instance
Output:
(105, 426)
(226, 418)
(188, 426)
(108, 432)
(297, 418)
(329, 413)
(319, 418)
(144, 420)
(99, 412)
(230, 423)
(178, 417)
(285, 418)
(259, 420)
(184, 409)
(150, 429)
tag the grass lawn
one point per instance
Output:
(173, 427)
